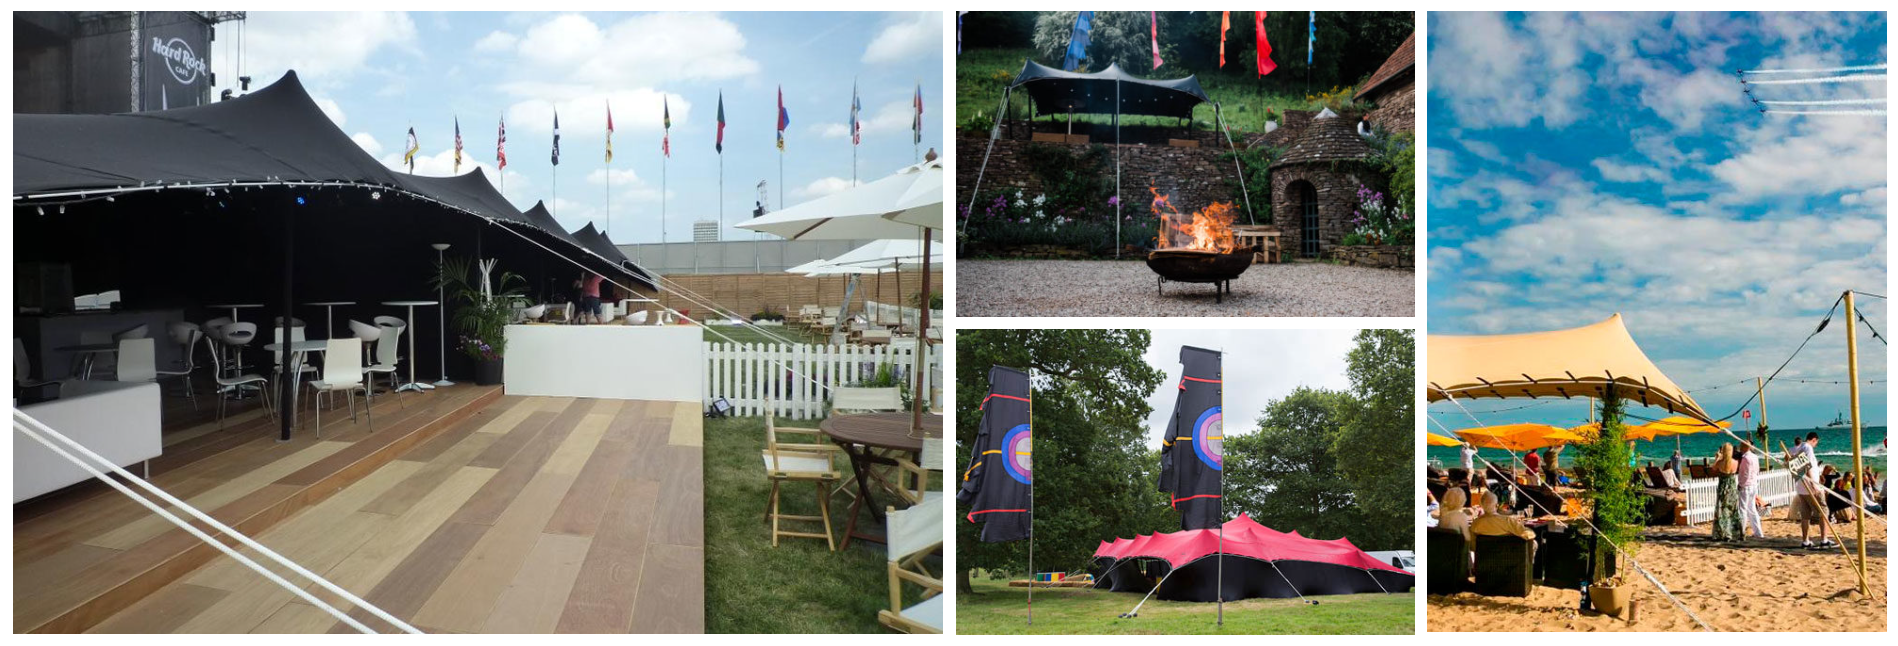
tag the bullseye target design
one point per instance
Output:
(1209, 439)
(1018, 454)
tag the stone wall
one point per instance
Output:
(1397, 110)
(1336, 187)
(1379, 256)
(1197, 176)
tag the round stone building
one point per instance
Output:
(1315, 184)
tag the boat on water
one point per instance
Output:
(1837, 421)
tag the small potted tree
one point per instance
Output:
(1617, 508)
(485, 308)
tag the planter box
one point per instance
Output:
(1377, 256)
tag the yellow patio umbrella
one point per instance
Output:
(1676, 425)
(1442, 440)
(1513, 437)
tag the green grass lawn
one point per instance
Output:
(748, 334)
(997, 609)
(981, 74)
(799, 586)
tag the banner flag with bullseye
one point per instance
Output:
(1192, 455)
(998, 487)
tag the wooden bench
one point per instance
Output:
(1266, 238)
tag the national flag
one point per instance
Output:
(720, 146)
(556, 137)
(457, 145)
(1192, 454)
(856, 106)
(999, 484)
(1077, 43)
(1311, 36)
(784, 118)
(1265, 47)
(1225, 23)
(665, 145)
(609, 132)
(500, 146)
(408, 156)
(1155, 17)
(917, 128)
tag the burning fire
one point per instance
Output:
(1209, 229)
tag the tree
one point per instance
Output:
(1609, 486)
(1375, 446)
(1090, 389)
(1284, 474)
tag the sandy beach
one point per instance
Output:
(1769, 585)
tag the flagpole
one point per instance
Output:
(1031, 479)
(1221, 620)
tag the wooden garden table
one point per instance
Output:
(860, 436)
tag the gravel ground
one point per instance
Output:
(1127, 288)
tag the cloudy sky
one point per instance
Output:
(377, 74)
(1583, 165)
(1261, 366)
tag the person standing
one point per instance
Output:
(1532, 466)
(590, 297)
(1809, 507)
(1469, 458)
(1749, 481)
(1726, 510)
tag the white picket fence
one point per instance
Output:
(1776, 488)
(796, 378)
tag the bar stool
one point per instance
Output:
(236, 337)
(392, 329)
(372, 364)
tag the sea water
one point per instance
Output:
(1835, 447)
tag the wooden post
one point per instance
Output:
(1858, 461)
(1759, 436)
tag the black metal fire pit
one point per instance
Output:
(1193, 266)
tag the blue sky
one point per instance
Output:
(1583, 165)
(377, 74)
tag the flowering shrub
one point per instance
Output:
(1379, 222)
(480, 350)
(1014, 218)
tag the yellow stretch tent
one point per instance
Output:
(1577, 362)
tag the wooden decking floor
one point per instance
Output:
(530, 515)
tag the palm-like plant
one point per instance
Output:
(482, 318)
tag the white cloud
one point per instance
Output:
(320, 47)
(821, 187)
(331, 109)
(1615, 171)
(497, 41)
(890, 117)
(565, 57)
(907, 39)
(1807, 157)
(368, 143)
(614, 176)
(584, 116)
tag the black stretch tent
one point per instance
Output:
(1055, 91)
(259, 195)
(599, 244)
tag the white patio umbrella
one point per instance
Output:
(893, 207)
(883, 255)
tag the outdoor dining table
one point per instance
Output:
(298, 350)
(234, 307)
(412, 384)
(860, 436)
(85, 352)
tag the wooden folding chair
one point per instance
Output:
(914, 534)
(788, 462)
(913, 477)
(845, 400)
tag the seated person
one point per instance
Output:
(1430, 509)
(1494, 523)
(1454, 515)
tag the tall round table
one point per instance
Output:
(329, 315)
(412, 384)
(234, 307)
(860, 436)
(298, 349)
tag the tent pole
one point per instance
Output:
(1220, 116)
(284, 386)
(995, 132)
(1117, 199)
(1858, 460)
(922, 345)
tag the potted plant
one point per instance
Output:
(1618, 511)
(485, 307)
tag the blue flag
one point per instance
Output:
(1311, 37)
(1077, 45)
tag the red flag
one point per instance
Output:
(1265, 48)
(1155, 17)
(1225, 23)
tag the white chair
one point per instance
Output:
(846, 399)
(392, 329)
(373, 348)
(233, 382)
(101, 362)
(342, 371)
(23, 372)
(138, 360)
(534, 313)
(236, 337)
(214, 330)
(913, 535)
(276, 358)
(140, 331)
(186, 335)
